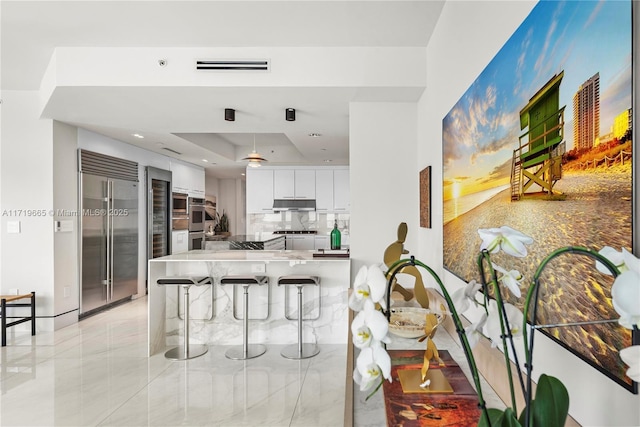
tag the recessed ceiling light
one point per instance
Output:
(137, 135)
(315, 135)
(205, 160)
(242, 174)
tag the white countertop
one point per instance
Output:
(249, 255)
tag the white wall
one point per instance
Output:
(211, 186)
(231, 200)
(26, 174)
(384, 178)
(65, 199)
(468, 35)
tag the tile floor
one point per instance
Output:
(97, 373)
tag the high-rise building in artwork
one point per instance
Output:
(622, 123)
(586, 113)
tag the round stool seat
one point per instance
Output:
(242, 280)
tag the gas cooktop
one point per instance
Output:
(295, 232)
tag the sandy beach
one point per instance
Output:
(596, 212)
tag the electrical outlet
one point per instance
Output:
(258, 268)
(14, 291)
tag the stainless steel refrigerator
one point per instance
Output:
(109, 224)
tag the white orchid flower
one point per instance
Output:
(512, 279)
(626, 320)
(369, 327)
(631, 357)
(616, 258)
(461, 297)
(372, 364)
(369, 288)
(625, 291)
(506, 238)
(514, 316)
(474, 331)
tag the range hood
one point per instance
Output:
(294, 205)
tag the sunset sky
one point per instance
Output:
(582, 38)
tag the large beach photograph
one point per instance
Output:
(542, 142)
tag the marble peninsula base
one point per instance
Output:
(212, 320)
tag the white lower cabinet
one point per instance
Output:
(321, 242)
(300, 243)
(179, 241)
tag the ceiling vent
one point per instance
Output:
(172, 151)
(233, 65)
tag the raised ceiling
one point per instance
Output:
(30, 32)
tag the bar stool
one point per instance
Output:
(185, 351)
(299, 350)
(245, 351)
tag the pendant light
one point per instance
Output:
(254, 158)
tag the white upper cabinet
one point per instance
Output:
(341, 196)
(260, 192)
(329, 186)
(196, 182)
(324, 190)
(283, 184)
(179, 178)
(187, 179)
(294, 184)
(305, 184)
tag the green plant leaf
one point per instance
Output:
(551, 405)
(498, 418)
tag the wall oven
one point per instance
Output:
(179, 212)
(196, 240)
(196, 214)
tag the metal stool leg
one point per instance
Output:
(246, 351)
(300, 350)
(186, 351)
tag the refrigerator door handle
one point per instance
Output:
(109, 241)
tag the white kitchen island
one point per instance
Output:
(212, 307)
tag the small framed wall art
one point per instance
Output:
(425, 197)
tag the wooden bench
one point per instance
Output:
(7, 301)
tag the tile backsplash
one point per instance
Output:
(321, 222)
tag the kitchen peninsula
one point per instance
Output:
(212, 306)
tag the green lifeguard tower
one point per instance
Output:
(538, 159)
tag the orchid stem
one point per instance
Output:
(505, 329)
